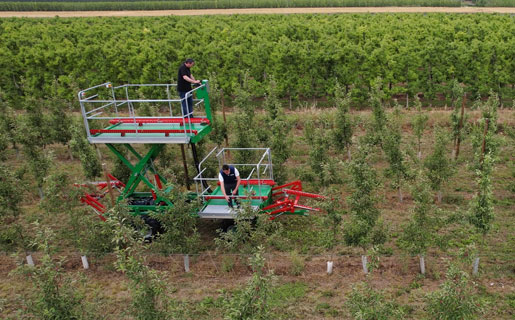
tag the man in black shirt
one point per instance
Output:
(229, 178)
(184, 81)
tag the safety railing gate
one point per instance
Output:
(256, 176)
(144, 113)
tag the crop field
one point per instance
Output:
(211, 4)
(404, 122)
(124, 5)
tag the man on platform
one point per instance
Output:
(229, 178)
(184, 81)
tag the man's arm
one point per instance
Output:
(190, 79)
(237, 185)
(222, 187)
(223, 191)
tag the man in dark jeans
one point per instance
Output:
(184, 81)
(229, 178)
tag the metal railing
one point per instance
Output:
(104, 102)
(260, 170)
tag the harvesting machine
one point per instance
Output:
(113, 115)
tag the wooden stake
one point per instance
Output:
(109, 186)
(186, 175)
(483, 149)
(225, 119)
(460, 125)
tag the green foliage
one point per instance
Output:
(457, 96)
(419, 123)
(120, 170)
(333, 208)
(487, 122)
(379, 120)
(277, 129)
(118, 5)
(179, 224)
(34, 126)
(363, 228)
(38, 162)
(244, 125)
(88, 233)
(60, 196)
(481, 212)
(219, 130)
(85, 152)
(306, 52)
(486, 145)
(319, 144)
(10, 192)
(145, 284)
(438, 164)
(454, 299)
(58, 120)
(419, 231)
(10, 199)
(392, 141)
(55, 295)
(366, 303)
(343, 124)
(8, 125)
(249, 231)
(297, 264)
(215, 92)
(252, 302)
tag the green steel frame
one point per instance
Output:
(144, 162)
(138, 175)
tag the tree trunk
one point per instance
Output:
(224, 117)
(70, 153)
(407, 100)
(348, 153)
(439, 196)
(400, 195)
(109, 186)
(186, 175)
(460, 125)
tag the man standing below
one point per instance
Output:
(184, 81)
(229, 178)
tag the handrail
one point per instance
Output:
(105, 101)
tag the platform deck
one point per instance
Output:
(194, 133)
(218, 208)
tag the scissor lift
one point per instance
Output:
(112, 116)
(257, 187)
(256, 182)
